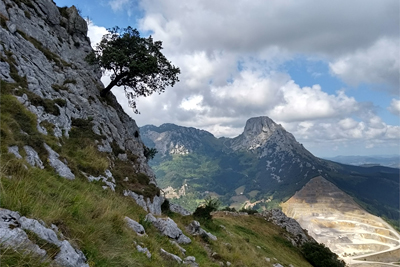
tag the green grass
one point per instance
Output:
(91, 218)
(9, 257)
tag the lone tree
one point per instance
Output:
(136, 63)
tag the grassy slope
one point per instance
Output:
(92, 218)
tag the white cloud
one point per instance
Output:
(379, 63)
(95, 33)
(394, 107)
(117, 5)
(311, 103)
(230, 55)
(328, 27)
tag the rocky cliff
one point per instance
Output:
(54, 120)
(43, 48)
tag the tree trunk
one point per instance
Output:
(114, 82)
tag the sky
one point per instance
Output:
(328, 71)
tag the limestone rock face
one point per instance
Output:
(49, 48)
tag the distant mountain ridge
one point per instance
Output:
(260, 168)
(392, 161)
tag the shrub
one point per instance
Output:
(149, 153)
(203, 212)
(320, 256)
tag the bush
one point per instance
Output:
(149, 153)
(320, 256)
(203, 212)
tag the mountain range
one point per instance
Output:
(261, 168)
(392, 161)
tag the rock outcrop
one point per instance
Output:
(195, 229)
(168, 227)
(16, 231)
(296, 235)
(152, 206)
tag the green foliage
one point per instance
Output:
(203, 212)
(320, 256)
(149, 153)
(10, 257)
(136, 63)
(59, 88)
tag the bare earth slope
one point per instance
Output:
(333, 218)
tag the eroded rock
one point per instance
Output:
(169, 228)
(60, 167)
(195, 229)
(13, 234)
(135, 226)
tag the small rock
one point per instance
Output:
(170, 255)
(178, 209)
(195, 229)
(14, 150)
(11, 27)
(144, 250)
(191, 261)
(58, 165)
(135, 226)
(32, 157)
(183, 251)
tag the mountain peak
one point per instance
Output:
(260, 127)
(257, 132)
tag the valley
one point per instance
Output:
(340, 205)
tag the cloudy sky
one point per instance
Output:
(328, 71)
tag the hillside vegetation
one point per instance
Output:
(261, 168)
(92, 218)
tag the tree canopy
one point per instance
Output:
(136, 63)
